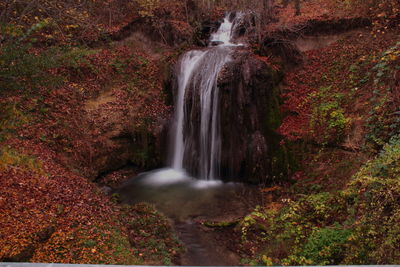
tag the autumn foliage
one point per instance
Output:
(53, 127)
(71, 83)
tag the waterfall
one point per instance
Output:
(196, 142)
(187, 66)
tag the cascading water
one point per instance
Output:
(196, 130)
(196, 147)
(223, 36)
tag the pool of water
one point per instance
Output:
(187, 201)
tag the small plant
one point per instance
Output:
(10, 158)
(328, 117)
(259, 219)
(326, 246)
(11, 118)
(147, 7)
(384, 118)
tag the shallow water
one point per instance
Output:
(189, 201)
(182, 197)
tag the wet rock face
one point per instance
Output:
(247, 105)
(207, 28)
(246, 91)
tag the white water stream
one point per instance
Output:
(196, 144)
(224, 33)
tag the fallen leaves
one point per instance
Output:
(50, 151)
(342, 67)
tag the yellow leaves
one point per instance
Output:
(5, 160)
(11, 118)
(147, 7)
(71, 26)
(10, 158)
(267, 260)
(350, 238)
(392, 57)
(363, 58)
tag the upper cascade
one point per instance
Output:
(225, 34)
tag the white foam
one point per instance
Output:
(203, 184)
(223, 34)
(169, 176)
(166, 176)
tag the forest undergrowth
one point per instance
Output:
(343, 123)
(64, 72)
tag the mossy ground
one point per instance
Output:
(342, 204)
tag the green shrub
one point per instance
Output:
(359, 225)
(11, 118)
(259, 219)
(375, 191)
(384, 120)
(326, 245)
(328, 117)
(21, 69)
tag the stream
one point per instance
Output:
(188, 202)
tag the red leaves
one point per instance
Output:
(63, 134)
(294, 127)
(58, 198)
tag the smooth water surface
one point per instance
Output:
(188, 202)
(183, 198)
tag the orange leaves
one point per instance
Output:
(271, 189)
(293, 127)
(264, 59)
(55, 129)
(60, 217)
